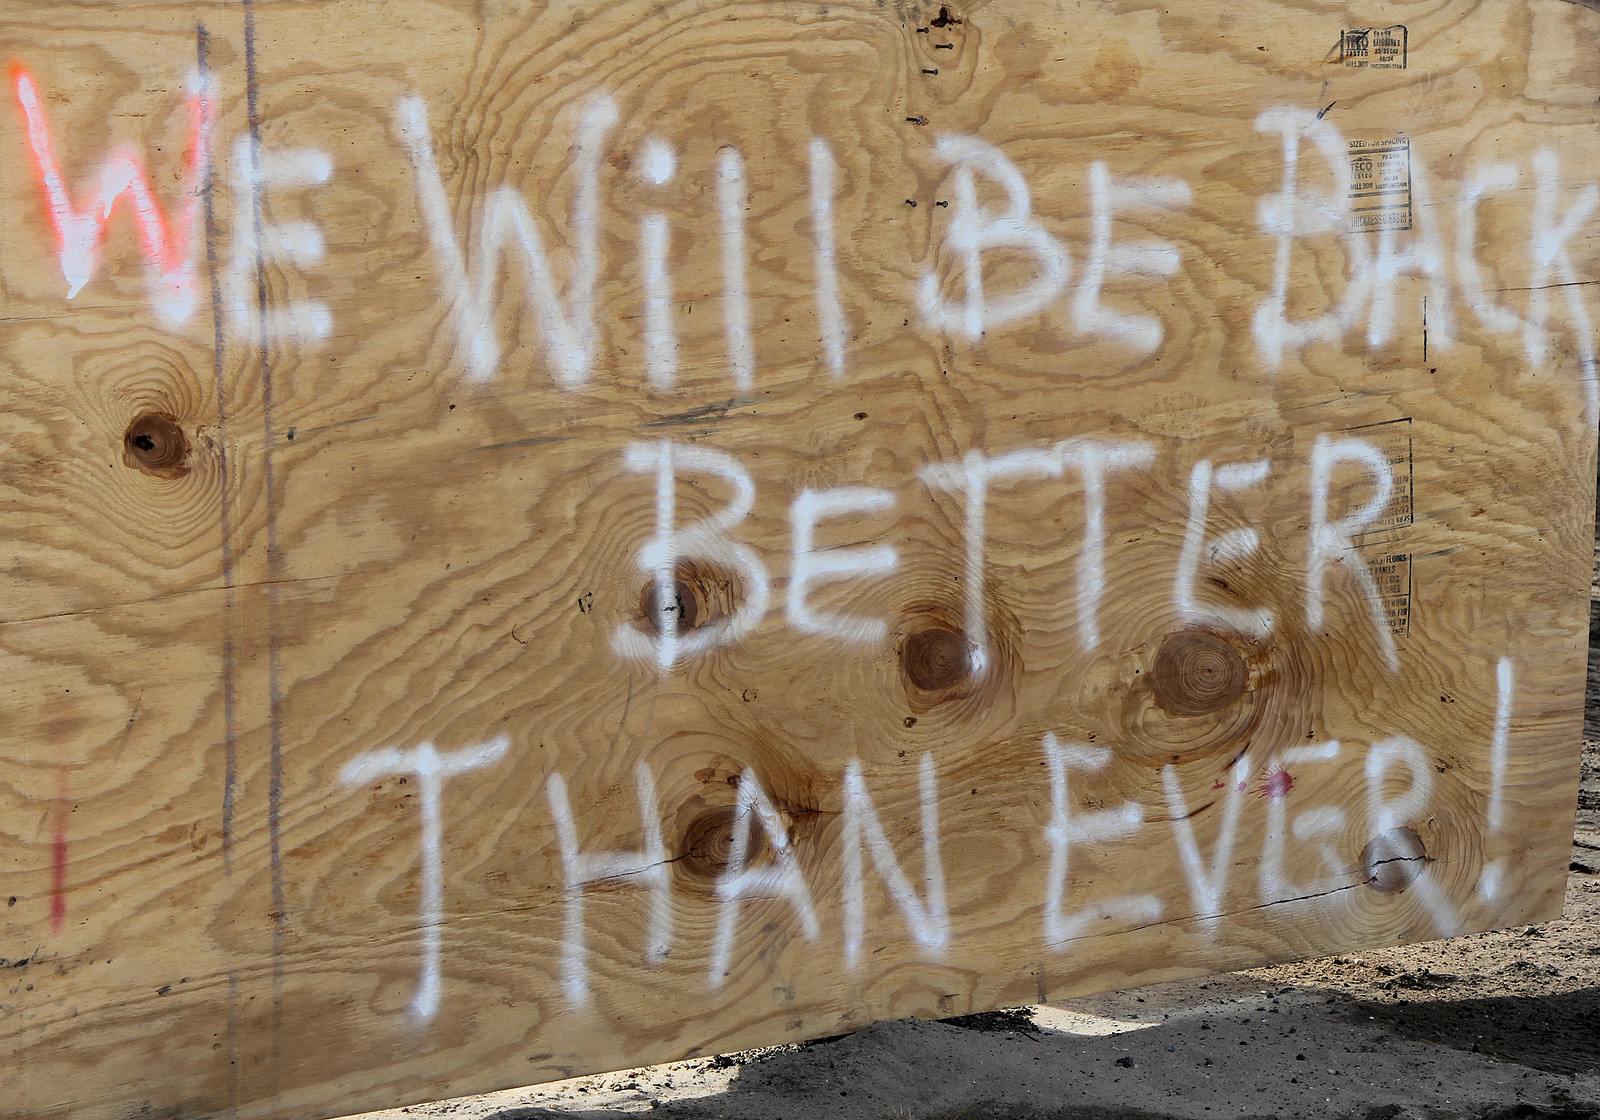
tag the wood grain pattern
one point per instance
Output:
(244, 551)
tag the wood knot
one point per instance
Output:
(704, 848)
(1393, 860)
(935, 659)
(944, 670)
(156, 445)
(682, 602)
(701, 595)
(1197, 673)
(1199, 694)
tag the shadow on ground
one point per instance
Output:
(1244, 1059)
(1559, 1033)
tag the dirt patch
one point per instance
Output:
(1012, 1019)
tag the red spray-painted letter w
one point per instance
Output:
(170, 251)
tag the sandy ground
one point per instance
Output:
(1502, 1025)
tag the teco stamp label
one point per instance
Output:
(1380, 184)
(1374, 48)
(1391, 573)
(1393, 438)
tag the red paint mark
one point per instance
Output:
(58, 890)
(1276, 784)
(169, 254)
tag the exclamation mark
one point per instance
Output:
(1505, 680)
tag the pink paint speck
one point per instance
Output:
(1276, 784)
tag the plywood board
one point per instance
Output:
(545, 537)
